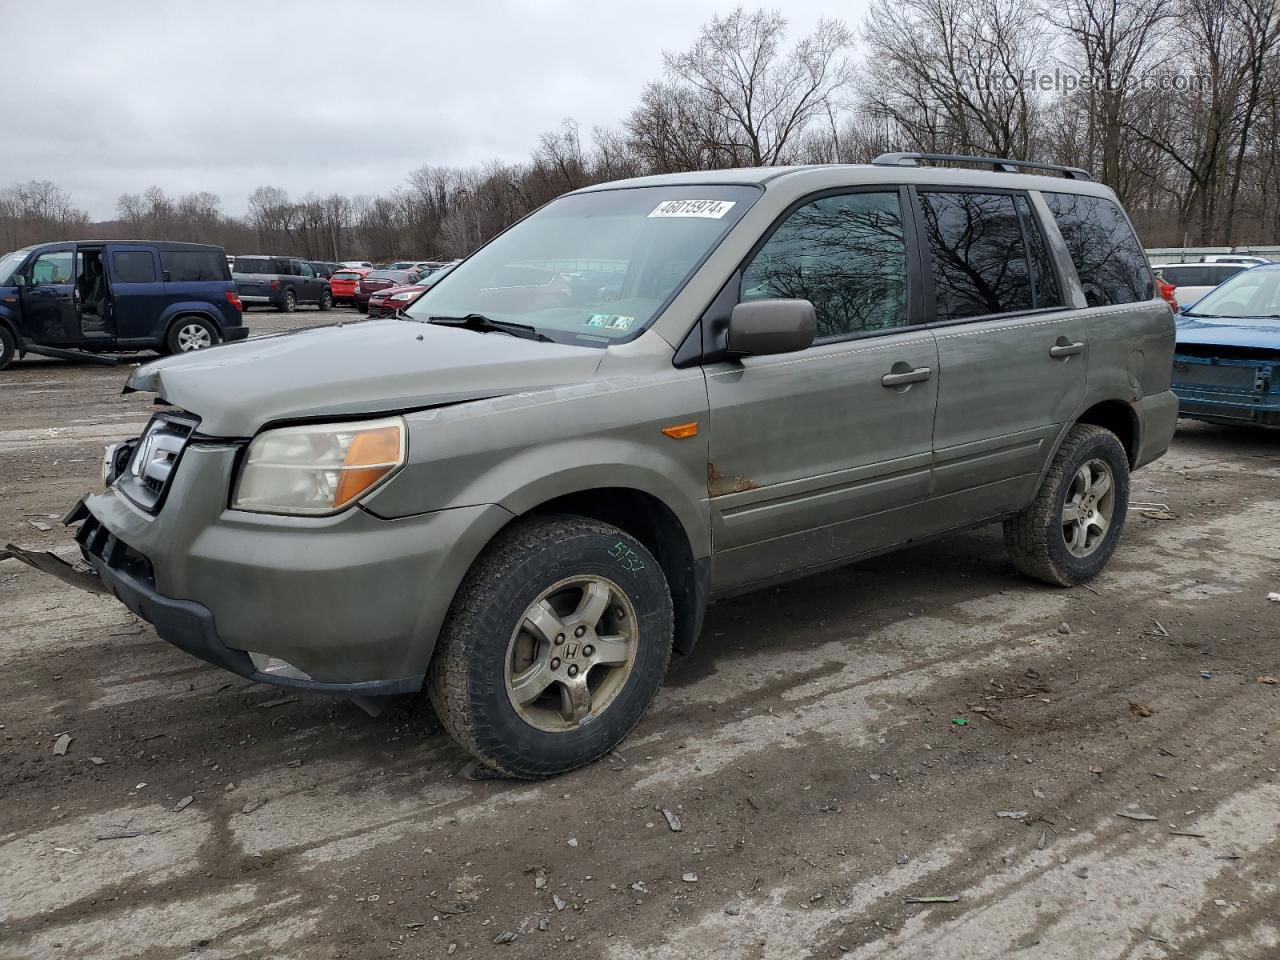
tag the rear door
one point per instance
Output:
(822, 454)
(48, 297)
(1013, 357)
(137, 291)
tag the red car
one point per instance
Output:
(1165, 289)
(387, 301)
(343, 283)
(376, 280)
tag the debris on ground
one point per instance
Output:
(690, 878)
(558, 903)
(97, 761)
(1274, 597)
(40, 525)
(1140, 709)
(1064, 627)
(60, 745)
(252, 805)
(1136, 816)
(507, 936)
(1012, 814)
(278, 702)
(119, 834)
(1206, 675)
(960, 721)
(1270, 680)
(951, 899)
(182, 804)
(673, 821)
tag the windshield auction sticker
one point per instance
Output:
(706, 209)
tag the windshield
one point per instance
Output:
(591, 267)
(1247, 298)
(9, 263)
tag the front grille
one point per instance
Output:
(1220, 377)
(146, 478)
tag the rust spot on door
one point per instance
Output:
(718, 485)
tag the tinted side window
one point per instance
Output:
(1224, 273)
(846, 255)
(1107, 256)
(1044, 280)
(252, 265)
(1173, 275)
(979, 256)
(191, 266)
(134, 266)
(304, 269)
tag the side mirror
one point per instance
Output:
(761, 327)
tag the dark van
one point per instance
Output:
(95, 296)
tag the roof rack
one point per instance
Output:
(999, 164)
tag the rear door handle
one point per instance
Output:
(918, 375)
(1066, 350)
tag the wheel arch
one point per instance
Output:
(1118, 417)
(648, 519)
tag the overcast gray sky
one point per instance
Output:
(108, 97)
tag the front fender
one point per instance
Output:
(522, 450)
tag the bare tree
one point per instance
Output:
(765, 98)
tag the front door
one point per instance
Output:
(48, 296)
(1012, 356)
(819, 455)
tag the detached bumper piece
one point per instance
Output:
(189, 626)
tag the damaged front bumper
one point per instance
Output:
(189, 626)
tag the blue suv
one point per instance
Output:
(94, 296)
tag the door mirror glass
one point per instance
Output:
(760, 327)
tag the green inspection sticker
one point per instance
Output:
(610, 321)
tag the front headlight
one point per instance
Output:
(402, 296)
(319, 468)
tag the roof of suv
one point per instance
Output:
(854, 174)
(158, 244)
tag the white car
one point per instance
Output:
(1191, 281)
(1247, 259)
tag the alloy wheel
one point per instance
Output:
(1088, 508)
(571, 653)
(193, 336)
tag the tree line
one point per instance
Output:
(1175, 104)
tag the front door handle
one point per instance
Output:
(918, 375)
(1060, 350)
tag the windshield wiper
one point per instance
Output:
(482, 324)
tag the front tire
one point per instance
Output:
(8, 347)
(187, 334)
(556, 644)
(1069, 532)
(326, 302)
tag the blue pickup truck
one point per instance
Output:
(75, 298)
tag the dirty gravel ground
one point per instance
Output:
(811, 749)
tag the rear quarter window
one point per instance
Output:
(134, 266)
(1106, 253)
(194, 266)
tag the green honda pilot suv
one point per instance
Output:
(519, 496)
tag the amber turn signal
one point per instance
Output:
(681, 430)
(372, 455)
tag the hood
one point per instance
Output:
(1264, 335)
(366, 368)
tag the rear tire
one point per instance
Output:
(188, 334)
(289, 303)
(527, 676)
(8, 347)
(1069, 532)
